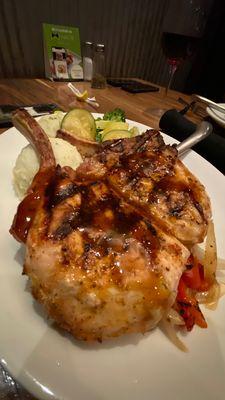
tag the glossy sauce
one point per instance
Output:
(110, 234)
(109, 231)
(27, 208)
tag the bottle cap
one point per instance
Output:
(88, 43)
(100, 47)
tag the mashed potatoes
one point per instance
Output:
(27, 163)
(51, 123)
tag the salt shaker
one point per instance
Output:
(98, 78)
(87, 60)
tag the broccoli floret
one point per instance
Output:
(115, 115)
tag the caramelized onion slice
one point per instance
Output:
(174, 318)
(210, 258)
(170, 331)
(211, 297)
(199, 253)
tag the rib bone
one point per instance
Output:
(33, 132)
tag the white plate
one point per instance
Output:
(54, 365)
(218, 116)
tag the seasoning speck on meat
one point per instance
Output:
(107, 243)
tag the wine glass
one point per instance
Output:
(177, 48)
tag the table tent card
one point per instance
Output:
(62, 52)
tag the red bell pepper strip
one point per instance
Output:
(194, 276)
(191, 281)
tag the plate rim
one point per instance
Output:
(26, 381)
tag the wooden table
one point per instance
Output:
(31, 91)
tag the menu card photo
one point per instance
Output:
(62, 52)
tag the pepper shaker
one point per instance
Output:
(98, 78)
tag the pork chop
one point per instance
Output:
(98, 256)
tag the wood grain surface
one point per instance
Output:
(32, 91)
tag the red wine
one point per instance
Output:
(178, 47)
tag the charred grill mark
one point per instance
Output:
(168, 185)
(151, 228)
(141, 170)
(199, 208)
(152, 165)
(113, 145)
(50, 189)
(64, 193)
(87, 247)
(150, 137)
(98, 209)
(155, 167)
(141, 143)
(125, 146)
(117, 146)
(59, 189)
(65, 256)
(175, 212)
(66, 226)
(177, 204)
(93, 248)
(121, 150)
(195, 189)
(142, 148)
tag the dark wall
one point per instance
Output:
(130, 29)
(207, 76)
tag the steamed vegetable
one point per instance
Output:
(112, 126)
(116, 115)
(80, 122)
(116, 134)
(114, 122)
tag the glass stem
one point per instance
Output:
(172, 70)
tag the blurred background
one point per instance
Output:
(132, 33)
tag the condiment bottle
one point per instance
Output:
(87, 60)
(98, 78)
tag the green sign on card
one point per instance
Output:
(62, 52)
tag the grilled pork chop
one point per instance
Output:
(98, 256)
(147, 174)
